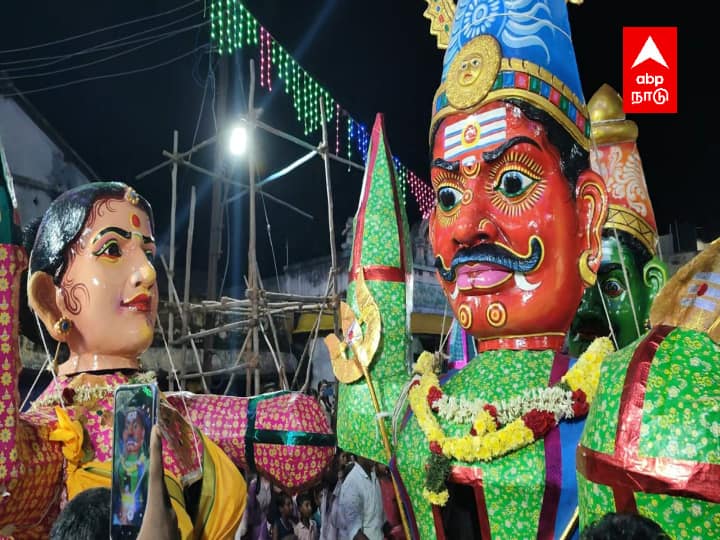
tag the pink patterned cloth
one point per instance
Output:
(284, 419)
(31, 467)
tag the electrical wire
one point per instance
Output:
(98, 30)
(105, 59)
(105, 76)
(272, 247)
(108, 45)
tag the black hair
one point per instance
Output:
(64, 219)
(304, 496)
(626, 526)
(85, 517)
(574, 159)
(640, 253)
(281, 498)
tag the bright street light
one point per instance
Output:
(238, 140)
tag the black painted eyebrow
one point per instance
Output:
(447, 165)
(122, 232)
(492, 155)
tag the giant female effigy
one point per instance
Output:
(93, 285)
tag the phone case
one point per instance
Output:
(135, 414)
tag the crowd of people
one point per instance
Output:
(354, 500)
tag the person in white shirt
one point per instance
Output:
(360, 504)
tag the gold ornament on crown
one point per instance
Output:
(441, 14)
(473, 71)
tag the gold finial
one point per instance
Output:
(607, 119)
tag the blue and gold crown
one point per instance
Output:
(499, 49)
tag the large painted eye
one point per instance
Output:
(514, 183)
(613, 288)
(110, 249)
(448, 198)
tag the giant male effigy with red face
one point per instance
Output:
(489, 450)
(493, 450)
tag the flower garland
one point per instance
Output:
(497, 428)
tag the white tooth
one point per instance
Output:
(454, 294)
(522, 282)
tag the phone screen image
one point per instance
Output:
(134, 416)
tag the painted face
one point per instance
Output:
(470, 69)
(133, 433)
(590, 321)
(108, 290)
(507, 231)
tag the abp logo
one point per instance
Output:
(650, 69)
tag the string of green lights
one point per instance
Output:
(233, 27)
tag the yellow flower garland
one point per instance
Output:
(489, 442)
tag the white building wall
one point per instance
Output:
(39, 168)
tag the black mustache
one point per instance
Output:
(493, 254)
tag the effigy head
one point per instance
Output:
(628, 281)
(91, 277)
(630, 274)
(516, 229)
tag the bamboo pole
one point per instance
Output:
(252, 254)
(171, 255)
(222, 371)
(192, 343)
(331, 224)
(186, 289)
(237, 363)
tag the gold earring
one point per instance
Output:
(63, 326)
(586, 273)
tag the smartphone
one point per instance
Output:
(134, 415)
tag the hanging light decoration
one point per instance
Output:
(233, 27)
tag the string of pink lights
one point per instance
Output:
(233, 27)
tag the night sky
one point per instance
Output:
(371, 56)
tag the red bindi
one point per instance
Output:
(135, 221)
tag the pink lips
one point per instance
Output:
(481, 276)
